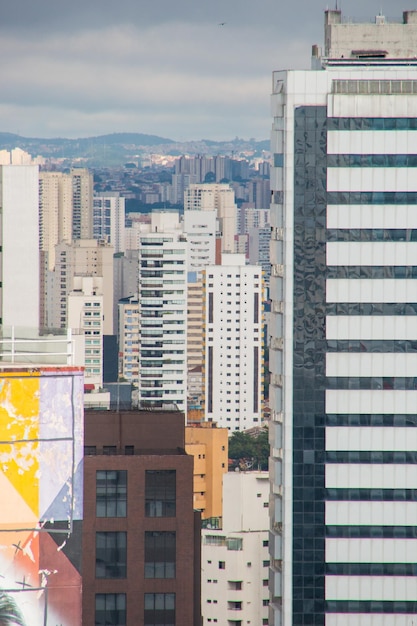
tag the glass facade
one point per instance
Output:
(309, 348)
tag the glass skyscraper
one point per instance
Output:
(343, 330)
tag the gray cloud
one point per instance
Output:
(165, 68)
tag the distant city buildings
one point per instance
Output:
(219, 198)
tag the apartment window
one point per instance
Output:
(111, 493)
(109, 450)
(160, 493)
(111, 555)
(222, 565)
(159, 609)
(265, 582)
(110, 609)
(235, 585)
(265, 602)
(160, 554)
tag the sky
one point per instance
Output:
(82, 68)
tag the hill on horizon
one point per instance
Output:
(115, 149)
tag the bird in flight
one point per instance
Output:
(222, 23)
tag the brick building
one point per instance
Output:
(141, 536)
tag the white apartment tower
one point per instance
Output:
(109, 219)
(233, 382)
(234, 558)
(19, 252)
(219, 198)
(343, 330)
(200, 228)
(163, 314)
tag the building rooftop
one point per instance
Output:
(380, 40)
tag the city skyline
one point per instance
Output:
(172, 70)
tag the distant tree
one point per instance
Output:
(210, 177)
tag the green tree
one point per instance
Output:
(249, 451)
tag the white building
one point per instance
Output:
(343, 328)
(20, 273)
(85, 317)
(233, 343)
(109, 219)
(163, 314)
(234, 558)
(200, 228)
(219, 198)
(128, 337)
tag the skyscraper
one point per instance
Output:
(343, 330)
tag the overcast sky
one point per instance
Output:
(79, 68)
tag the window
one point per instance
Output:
(265, 602)
(109, 450)
(110, 609)
(111, 493)
(160, 493)
(159, 609)
(110, 555)
(235, 585)
(222, 565)
(160, 554)
(265, 543)
(265, 582)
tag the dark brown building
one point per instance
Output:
(141, 536)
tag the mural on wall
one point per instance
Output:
(41, 449)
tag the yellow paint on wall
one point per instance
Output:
(19, 432)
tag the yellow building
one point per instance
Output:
(209, 447)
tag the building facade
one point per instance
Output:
(342, 330)
(209, 447)
(19, 251)
(128, 337)
(235, 559)
(163, 314)
(141, 539)
(233, 323)
(219, 197)
(109, 219)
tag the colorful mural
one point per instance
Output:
(41, 449)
